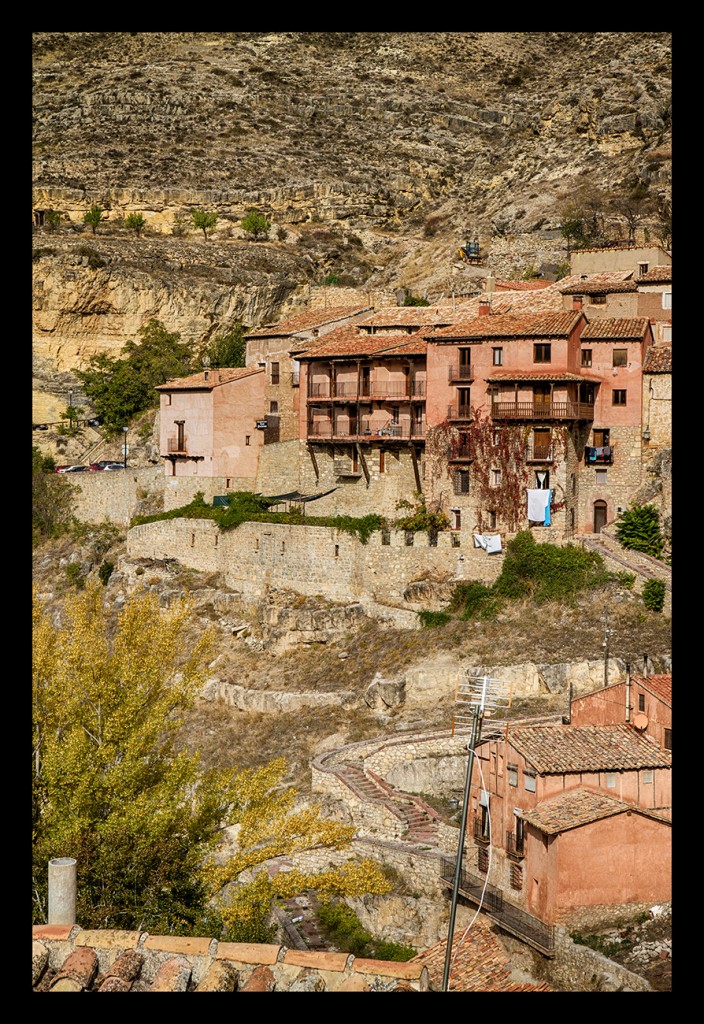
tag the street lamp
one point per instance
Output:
(124, 448)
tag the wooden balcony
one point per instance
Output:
(463, 453)
(599, 456)
(540, 453)
(456, 372)
(542, 411)
(327, 431)
(459, 413)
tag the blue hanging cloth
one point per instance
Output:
(547, 509)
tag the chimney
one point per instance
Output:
(577, 302)
(484, 307)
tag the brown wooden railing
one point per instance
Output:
(457, 372)
(459, 412)
(540, 453)
(542, 410)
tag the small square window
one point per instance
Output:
(620, 357)
(648, 777)
(497, 356)
(542, 353)
(512, 770)
(586, 357)
(611, 780)
(600, 475)
(618, 396)
(273, 406)
(529, 781)
(495, 477)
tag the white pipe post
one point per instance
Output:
(62, 891)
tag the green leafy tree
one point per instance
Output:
(638, 528)
(93, 217)
(414, 300)
(52, 219)
(256, 225)
(135, 222)
(204, 220)
(227, 349)
(112, 788)
(654, 595)
(52, 493)
(119, 389)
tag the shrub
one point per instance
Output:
(654, 595)
(475, 600)
(344, 929)
(431, 619)
(105, 572)
(256, 225)
(638, 529)
(547, 572)
(331, 279)
(74, 575)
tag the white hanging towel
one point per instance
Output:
(537, 500)
(493, 543)
(479, 540)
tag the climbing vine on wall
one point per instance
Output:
(493, 446)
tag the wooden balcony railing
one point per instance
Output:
(599, 456)
(540, 453)
(459, 412)
(462, 453)
(403, 432)
(542, 411)
(457, 372)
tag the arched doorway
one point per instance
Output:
(599, 516)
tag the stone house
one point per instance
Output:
(571, 817)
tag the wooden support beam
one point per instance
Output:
(362, 462)
(416, 469)
(315, 463)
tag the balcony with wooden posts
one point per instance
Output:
(329, 430)
(541, 410)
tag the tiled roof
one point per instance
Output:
(306, 321)
(349, 341)
(522, 286)
(659, 684)
(657, 275)
(658, 359)
(608, 329)
(67, 958)
(508, 375)
(197, 381)
(478, 963)
(512, 325)
(579, 807)
(553, 750)
(621, 248)
(411, 316)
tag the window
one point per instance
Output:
(668, 739)
(456, 518)
(495, 479)
(516, 876)
(641, 702)
(620, 357)
(461, 480)
(274, 373)
(611, 780)
(497, 356)
(541, 353)
(667, 300)
(529, 781)
(228, 483)
(648, 777)
(167, 399)
(410, 537)
(598, 300)
(667, 333)
(273, 406)
(601, 438)
(512, 770)
(642, 269)
(247, 439)
(618, 396)
(491, 520)
(483, 859)
(283, 547)
(337, 551)
(495, 438)
(386, 535)
(600, 476)
(586, 357)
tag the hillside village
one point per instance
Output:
(527, 395)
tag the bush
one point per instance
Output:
(547, 572)
(475, 600)
(431, 619)
(256, 225)
(74, 575)
(344, 929)
(638, 529)
(654, 595)
(105, 572)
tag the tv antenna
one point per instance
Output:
(476, 698)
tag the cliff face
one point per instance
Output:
(374, 156)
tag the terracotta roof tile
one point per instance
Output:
(522, 286)
(512, 325)
(197, 381)
(659, 684)
(479, 963)
(658, 359)
(306, 321)
(411, 316)
(578, 807)
(555, 749)
(348, 341)
(657, 275)
(508, 375)
(609, 329)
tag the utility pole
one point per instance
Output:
(607, 634)
(482, 696)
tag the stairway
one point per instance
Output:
(617, 557)
(420, 819)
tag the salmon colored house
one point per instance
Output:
(645, 702)
(569, 817)
(209, 424)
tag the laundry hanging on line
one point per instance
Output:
(539, 505)
(490, 542)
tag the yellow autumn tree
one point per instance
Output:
(142, 817)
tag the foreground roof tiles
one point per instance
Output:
(555, 749)
(198, 382)
(512, 325)
(658, 359)
(306, 321)
(579, 807)
(657, 275)
(349, 341)
(479, 963)
(608, 328)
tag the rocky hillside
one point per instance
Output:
(374, 156)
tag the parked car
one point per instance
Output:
(114, 465)
(73, 469)
(95, 421)
(104, 464)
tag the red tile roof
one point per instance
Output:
(197, 381)
(659, 684)
(348, 341)
(557, 749)
(657, 275)
(658, 359)
(508, 375)
(521, 286)
(609, 329)
(306, 321)
(411, 316)
(511, 325)
(579, 807)
(479, 963)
